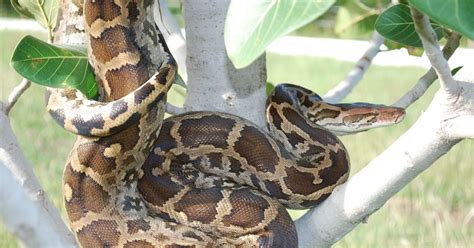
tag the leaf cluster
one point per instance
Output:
(250, 27)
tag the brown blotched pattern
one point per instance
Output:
(205, 179)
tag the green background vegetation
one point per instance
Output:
(435, 210)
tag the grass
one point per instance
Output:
(433, 211)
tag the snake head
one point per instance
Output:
(350, 118)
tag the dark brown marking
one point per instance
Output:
(143, 93)
(113, 41)
(180, 246)
(192, 235)
(274, 189)
(254, 146)
(128, 134)
(294, 139)
(135, 226)
(156, 189)
(208, 130)
(277, 121)
(133, 119)
(299, 182)
(312, 152)
(350, 119)
(320, 134)
(126, 79)
(106, 10)
(119, 107)
(87, 195)
(162, 75)
(138, 244)
(281, 232)
(100, 233)
(58, 116)
(85, 127)
(247, 209)
(235, 166)
(323, 114)
(133, 11)
(200, 205)
(92, 156)
(339, 167)
(255, 181)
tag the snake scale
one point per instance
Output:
(200, 179)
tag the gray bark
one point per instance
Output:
(213, 82)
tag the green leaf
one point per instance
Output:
(252, 25)
(415, 51)
(54, 66)
(457, 15)
(45, 12)
(180, 81)
(396, 24)
(269, 86)
(18, 8)
(455, 70)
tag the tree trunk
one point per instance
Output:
(213, 82)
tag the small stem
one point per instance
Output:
(15, 94)
(430, 76)
(345, 87)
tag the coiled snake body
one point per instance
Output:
(201, 179)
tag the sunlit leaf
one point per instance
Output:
(20, 9)
(54, 66)
(396, 24)
(45, 12)
(252, 25)
(457, 15)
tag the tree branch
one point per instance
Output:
(15, 95)
(431, 46)
(341, 90)
(427, 80)
(24, 206)
(213, 82)
(432, 136)
(447, 121)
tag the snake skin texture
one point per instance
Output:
(200, 179)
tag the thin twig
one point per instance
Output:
(15, 94)
(430, 76)
(173, 110)
(341, 90)
(168, 24)
(433, 52)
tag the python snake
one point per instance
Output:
(200, 179)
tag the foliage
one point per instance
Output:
(457, 15)
(54, 66)
(45, 12)
(252, 25)
(396, 24)
(358, 16)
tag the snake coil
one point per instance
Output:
(200, 179)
